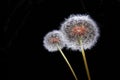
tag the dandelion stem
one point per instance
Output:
(67, 62)
(84, 59)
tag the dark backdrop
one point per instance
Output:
(24, 23)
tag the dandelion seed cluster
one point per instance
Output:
(78, 27)
(52, 39)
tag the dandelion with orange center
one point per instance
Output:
(81, 33)
(54, 41)
(71, 29)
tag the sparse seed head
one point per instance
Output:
(52, 39)
(80, 27)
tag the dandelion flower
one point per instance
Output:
(52, 39)
(81, 33)
(80, 27)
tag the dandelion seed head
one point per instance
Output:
(80, 27)
(52, 39)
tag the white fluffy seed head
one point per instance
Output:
(52, 39)
(89, 37)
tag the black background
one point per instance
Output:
(24, 23)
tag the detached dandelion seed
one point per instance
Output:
(81, 33)
(54, 41)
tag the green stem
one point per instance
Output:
(67, 62)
